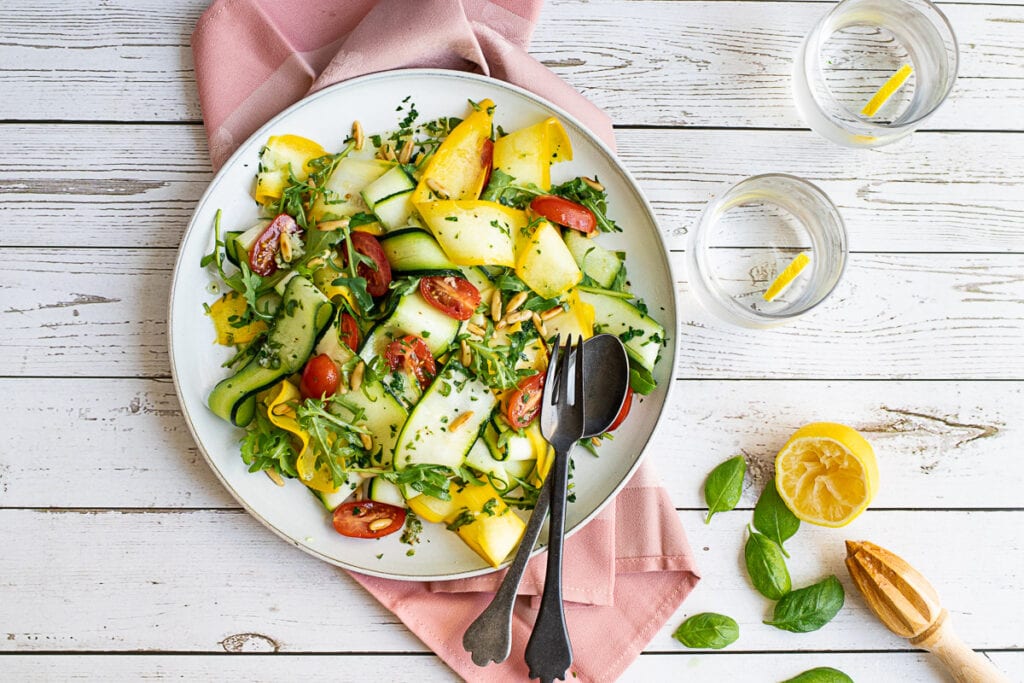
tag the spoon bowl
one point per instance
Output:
(606, 367)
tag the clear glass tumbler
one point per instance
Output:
(854, 51)
(766, 250)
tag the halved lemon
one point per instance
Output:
(826, 474)
(787, 276)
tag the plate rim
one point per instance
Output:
(399, 74)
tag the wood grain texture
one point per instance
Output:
(137, 185)
(171, 581)
(102, 312)
(663, 63)
(938, 443)
(907, 667)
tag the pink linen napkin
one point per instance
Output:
(629, 569)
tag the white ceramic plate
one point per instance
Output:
(326, 117)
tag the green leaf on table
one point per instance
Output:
(766, 566)
(724, 485)
(821, 674)
(808, 609)
(773, 519)
(708, 630)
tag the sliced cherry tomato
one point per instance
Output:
(523, 404)
(411, 353)
(487, 160)
(262, 254)
(320, 378)
(454, 296)
(623, 411)
(348, 332)
(378, 276)
(564, 212)
(355, 519)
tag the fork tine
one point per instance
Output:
(562, 397)
(550, 378)
(578, 398)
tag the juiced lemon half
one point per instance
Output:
(826, 474)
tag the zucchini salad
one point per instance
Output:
(391, 315)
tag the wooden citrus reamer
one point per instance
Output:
(909, 607)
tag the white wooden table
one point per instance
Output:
(121, 557)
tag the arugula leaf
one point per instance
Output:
(576, 190)
(502, 188)
(267, 447)
(430, 480)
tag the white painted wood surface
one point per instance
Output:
(123, 558)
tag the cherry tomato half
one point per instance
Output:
(456, 297)
(523, 404)
(266, 246)
(348, 332)
(378, 276)
(564, 212)
(320, 378)
(411, 353)
(487, 160)
(623, 411)
(355, 519)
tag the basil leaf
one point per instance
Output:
(708, 630)
(773, 519)
(808, 609)
(724, 486)
(822, 674)
(766, 566)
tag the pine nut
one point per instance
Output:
(282, 409)
(357, 376)
(517, 317)
(467, 355)
(378, 524)
(539, 324)
(367, 441)
(333, 225)
(275, 477)
(595, 441)
(357, 134)
(286, 247)
(517, 301)
(551, 313)
(502, 324)
(406, 154)
(437, 189)
(594, 185)
(476, 329)
(496, 306)
(460, 420)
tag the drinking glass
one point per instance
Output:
(854, 50)
(747, 238)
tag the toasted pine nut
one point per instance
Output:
(356, 380)
(367, 441)
(333, 225)
(516, 301)
(315, 262)
(496, 306)
(286, 246)
(357, 134)
(551, 313)
(378, 524)
(539, 324)
(517, 317)
(467, 355)
(502, 324)
(275, 477)
(593, 184)
(476, 329)
(282, 409)
(437, 189)
(460, 420)
(595, 441)
(406, 152)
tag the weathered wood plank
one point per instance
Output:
(129, 186)
(679, 63)
(908, 667)
(102, 312)
(221, 581)
(123, 443)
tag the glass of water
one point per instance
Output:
(899, 54)
(766, 250)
